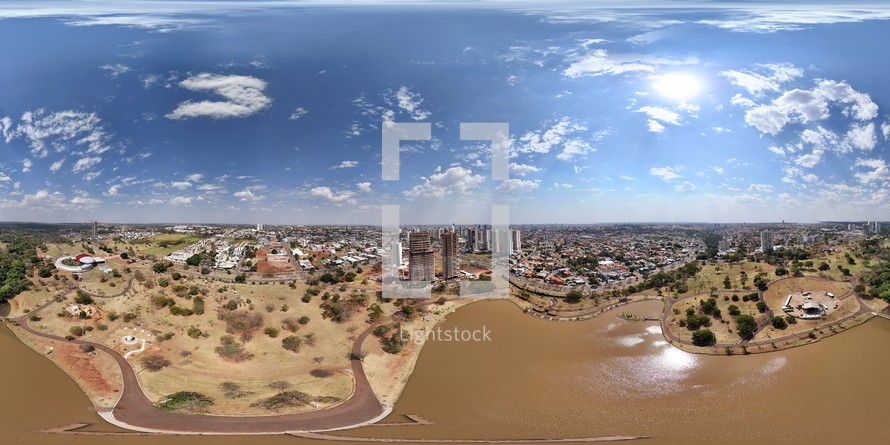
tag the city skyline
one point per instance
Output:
(161, 114)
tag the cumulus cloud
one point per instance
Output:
(56, 166)
(244, 97)
(364, 187)
(181, 201)
(457, 179)
(26, 165)
(522, 169)
(345, 164)
(654, 127)
(760, 188)
(195, 177)
(661, 114)
(518, 185)
(298, 113)
(180, 185)
(564, 135)
(410, 103)
(115, 69)
(248, 196)
(686, 186)
(85, 163)
(666, 173)
(344, 197)
(879, 171)
(811, 105)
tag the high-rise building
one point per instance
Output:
(397, 253)
(517, 243)
(876, 227)
(260, 227)
(766, 241)
(95, 227)
(450, 254)
(421, 263)
(722, 246)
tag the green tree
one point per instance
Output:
(727, 283)
(745, 325)
(574, 297)
(703, 337)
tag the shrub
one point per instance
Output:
(382, 330)
(734, 310)
(232, 350)
(292, 343)
(303, 320)
(779, 322)
(290, 324)
(280, 385)
(321, 373)
(176, 276)
(76, 331)
(198, 306)
(243, 323)
(34, 318)
(154, 362)
(87, 348)
(761, 306)
(129, 316)
(185, 401)
(735, 298)
(232, 390)
(194, 332)
(271, 332)
(163, 282)
(83, 298)
(286, 399)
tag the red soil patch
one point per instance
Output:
(80, 365)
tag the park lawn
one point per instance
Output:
(106, 284)
(724, 327)
(712, 275)
(152, 246)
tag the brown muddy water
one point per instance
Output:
(542, 379)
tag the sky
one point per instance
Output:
(272, 112)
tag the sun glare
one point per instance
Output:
(680, 86)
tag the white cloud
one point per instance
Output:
(518, 185)
(149, 80)
(298, 113)
(180, 185)
(26, 165)
(742, 101)
(345, 164)
(56, 165)
(776, 150)
(458, 180)
(195, 177)
(810, 105)
(562, 135)
(718, 170)
(4, 177)
(654, 126)
(344, 197)
(244, 97)
(113, 190)
(861, 137)
(115, 69)
(364, 187)
(760, 188)
(209, 187)
(686, 186)
(181, 201)
(773, 17)
(248, 196)
(666, 173)
(627, 178)
(757, 83)
(885, 130)
(86, 163)
(599, 62)
(522, 169)
(60, 131)
(661, 114)
(6, 128)
(410, 102)
(879, 173)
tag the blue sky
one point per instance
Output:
(246, 112)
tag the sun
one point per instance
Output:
(679, 86)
